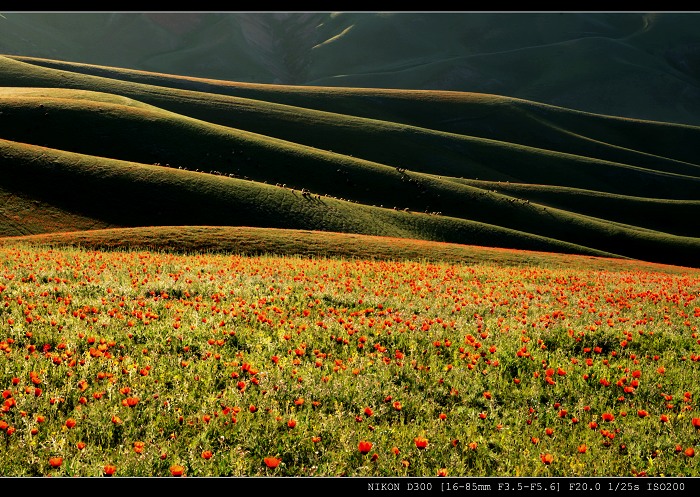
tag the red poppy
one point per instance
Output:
(689, 452)
(177, 470)
(696, 423)
(664, 418)
(291, 423)
(364, 447)
(582, 449)
(80, 445)
(421, 442)
(397, 405)
(642, 413)
(547, 458)
(55, 462)
(138, 447)
(206, 454)
(442, 472)
(70, 423)
(607, 416)
(368, 411)
(109, 470)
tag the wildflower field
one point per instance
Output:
(146, 363)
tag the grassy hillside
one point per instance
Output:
(640, 65)
(251, 241)
(101, 147)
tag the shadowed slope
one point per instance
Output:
(641, 65)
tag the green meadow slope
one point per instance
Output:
(91, 147)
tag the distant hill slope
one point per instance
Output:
(636, 64)
(90, 147)
(253, 241)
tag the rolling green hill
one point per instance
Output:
(633, 64)
(92, 147)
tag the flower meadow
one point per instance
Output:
(136, 363)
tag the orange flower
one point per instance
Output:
(252, 408)
(368, 411)
(80, 445)
(364, 447)
(607, 416)
(442, 416)
(442, 472)
(547, 458)
(689, 452)
(55, 462)
(130, 401)
(70, 422)
(315, 439)
(696, 423)
(207, 454)
(473, 445)
(177, 470)
(642, 413)
(116, 420)
(395, 451)
(291, 423)
(582, 449)
(109, 470)
(138, 447)
(272, 462)
(421, 442)
(397, 405)
(664, 418)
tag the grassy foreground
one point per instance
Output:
(145, 363)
